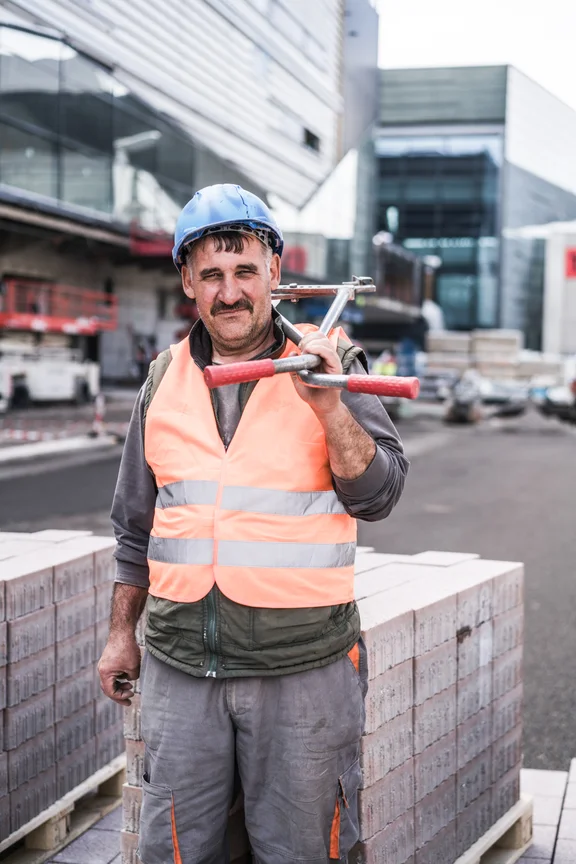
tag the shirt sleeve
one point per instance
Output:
(374, 494)
(133, 505)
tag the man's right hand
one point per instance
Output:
(118, 667)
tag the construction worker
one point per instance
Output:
(385, 364)
(235, 514)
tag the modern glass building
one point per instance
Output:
(460, 157)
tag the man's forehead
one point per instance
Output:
(207, 251)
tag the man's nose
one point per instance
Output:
(230, 289)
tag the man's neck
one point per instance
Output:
(265, 340)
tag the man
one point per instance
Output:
(235, 518)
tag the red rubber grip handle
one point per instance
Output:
(238, 373)
(384, 385)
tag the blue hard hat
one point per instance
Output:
(220, 206)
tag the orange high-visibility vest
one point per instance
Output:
(261, 519)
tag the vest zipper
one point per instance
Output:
(210, 634)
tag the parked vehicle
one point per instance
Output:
(559, 402)
(473, 395)
(30, 374)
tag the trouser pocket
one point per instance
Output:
(345, 828)
(157, 843)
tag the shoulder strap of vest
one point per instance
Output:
(156, 372)
(349, 353)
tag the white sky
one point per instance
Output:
(536, 36)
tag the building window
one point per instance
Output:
(311, 140)
(440, 193)
(85, 179)
(27, 162)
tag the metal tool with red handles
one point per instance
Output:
(253, 370)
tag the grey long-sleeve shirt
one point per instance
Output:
(369, 497)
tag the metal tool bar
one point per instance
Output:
(290, 330)
(300, 363)
(378, 385)
(252, 370)
(335, 310)
(293, 291)
(332, 315)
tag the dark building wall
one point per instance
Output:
(464, 95)
(438, 192)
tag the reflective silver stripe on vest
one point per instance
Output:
(179, 551)
(238, 553)
(187, 492)
(279, 502)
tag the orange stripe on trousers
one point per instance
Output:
(335, 833)
(177, 856)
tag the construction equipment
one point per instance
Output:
(253, 370)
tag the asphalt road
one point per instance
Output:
(504, 491)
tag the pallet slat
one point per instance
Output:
(62, 822)
(507, 840)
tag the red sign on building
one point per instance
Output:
(571, 263)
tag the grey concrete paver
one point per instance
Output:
(113, 821)
(565, 852)
(547, 810)
(525, 860)
(570, 798)
(543, 784)
(93, 847)
(567, 827)
(543, 845)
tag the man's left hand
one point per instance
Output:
(322, 400)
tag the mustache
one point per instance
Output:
(218, 306)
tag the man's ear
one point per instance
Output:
(187, 283)
(275, 271)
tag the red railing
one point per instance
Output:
(53, 308)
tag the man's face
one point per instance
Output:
(232, 291)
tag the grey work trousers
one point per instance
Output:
(295, 739)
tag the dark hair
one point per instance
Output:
(227, 241)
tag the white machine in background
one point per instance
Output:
(30, 374)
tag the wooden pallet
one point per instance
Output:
(507, 840)
(54, 828)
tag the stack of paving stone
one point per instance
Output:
(448, 351)
(441, 755)
(56, 729)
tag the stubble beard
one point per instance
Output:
(254, 335)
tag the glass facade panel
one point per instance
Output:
(29, 78)
(439, 194)
(175, 158)
(71, 132)
(86, 179)
(27, 162)
(456, 297)
(85, 104)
